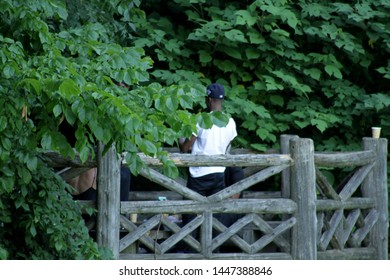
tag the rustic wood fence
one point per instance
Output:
(310, 217)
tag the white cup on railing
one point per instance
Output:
(376, 132)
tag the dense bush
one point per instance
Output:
(319, 69)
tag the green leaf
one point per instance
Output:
(46, 141)
(32, 163)
(25, 175)
(332, 70)
(84, 153)
(170, 169)
(205, 120)
(205, 57)
(33, 230)
(259, 147)
(271, 84)
(3, 253)
(69, 88)
(7, 183)
(33, 85)
(171, 104)
(255, 37)
(252, 53)
(236, 35)
(3, 123)
(98, 132)
(6, 144)
(57, 110)
(219, 119)
(277, 100)
(90, 210)
(136, 164)
(226, 65)
(244, 17)
(233, 52)
(58, 246)
(148, 147)
(7, 171)
(301, 124)
(313, 73)
(320, 124)
(9, 71)
(185, 102)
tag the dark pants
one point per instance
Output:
(125, 183)
(206, 185)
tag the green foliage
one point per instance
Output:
(312, 69)
(38, 217)
(58, 66)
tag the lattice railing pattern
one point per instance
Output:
(160, 235)
(346, 217)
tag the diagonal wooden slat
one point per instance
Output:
(182, 234)
(267, 229)
(247, 182)
(237, 240)
(233, 230)
(320, 225)
(325, 187)
(355, 181)
(139, 233)
(361, 233)
(275, 234)
(343, 232)
(332, 227)
(171, 184)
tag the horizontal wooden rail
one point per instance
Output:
(55, 160)
(344, 159)
(183, 160)
(264, 206)
(352, 203)
(170, 195)
(348, 254)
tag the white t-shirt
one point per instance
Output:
(212, 141)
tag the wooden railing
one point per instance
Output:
(308, 218)
(352, 218)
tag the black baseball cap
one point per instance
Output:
(216, 91)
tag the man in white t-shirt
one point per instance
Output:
(208, 180)
(212, 141)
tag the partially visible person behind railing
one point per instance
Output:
(84, 185)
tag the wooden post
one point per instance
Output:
(206, 235)
(303, 192)
(108, 203)
(375, 186)
(285, 149)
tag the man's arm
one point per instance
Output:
(185, 144)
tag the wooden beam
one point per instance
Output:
(303, 192)
(108, 189)
(182, 160)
